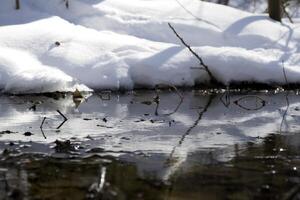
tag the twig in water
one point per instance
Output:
(65, 119)
(156, 99)
(204, 66)
(41, 127)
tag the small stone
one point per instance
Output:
(28, 133)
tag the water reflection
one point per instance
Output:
(170, 140)
(136, 122)
(268, 170)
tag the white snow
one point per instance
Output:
(116, 44)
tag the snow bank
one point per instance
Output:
(114, 44)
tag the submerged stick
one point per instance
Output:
(204, 66)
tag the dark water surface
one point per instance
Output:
(151, 145)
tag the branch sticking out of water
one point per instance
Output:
(65, 119)
(204, 66)
(41, 127)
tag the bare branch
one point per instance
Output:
(205, 67)
(286, 13)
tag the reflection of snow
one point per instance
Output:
(132, 126)
(128, 118)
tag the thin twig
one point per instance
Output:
(171, 86)
(212, 78)
(41, 127)
(284, 74)
(157, 100)
(286, 13)
(197, 18)
(65, 119)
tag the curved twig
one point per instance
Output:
(157, 100)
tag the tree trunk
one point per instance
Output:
(17, 4)
(275, 9)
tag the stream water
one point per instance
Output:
(151, 145)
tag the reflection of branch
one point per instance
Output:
(41, 127)
(65, 119)
(285, 112)
(286, 98)
(189, 130)
(204, 66)
(157, 100)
